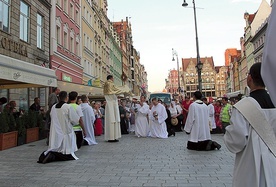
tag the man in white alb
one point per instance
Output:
(157, 117)
(62, 139)
(197, 126)
(251, 135)
(212, 123)
(88, 121)
(141, 118)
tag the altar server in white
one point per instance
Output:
(157, 117)
(62, 138)
(251, 135)
(197, 126)
(141, 118)
(88, 121)
(212, 123)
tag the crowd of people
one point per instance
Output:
(248, 125)
(74, 121)
(114, 117)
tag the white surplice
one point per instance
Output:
(255, 165)
(158, 128)
(269, 56)
(197, 123)
(141, 120)
(88, 123)
(212, 116)
(62, 137)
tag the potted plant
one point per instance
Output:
(41, 123)
(32, 132)
(21, 129)
(8, 133)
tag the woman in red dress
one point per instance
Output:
(98, 126)
(185, 106)
(217, 113)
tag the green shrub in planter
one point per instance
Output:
(7, 122)
(20, 125)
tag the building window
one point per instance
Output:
(4, 15)
(39, 28)
(65, 40)
(77, 17)
(72, 11)
(65, 6)
(58, 2)
(77, 48)
(24, 21)
(84, 66)
(72, 44)
(84, 11)
(58, 34)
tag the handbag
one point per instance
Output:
(174, 121)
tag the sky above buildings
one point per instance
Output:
(158, 26)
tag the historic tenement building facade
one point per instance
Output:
(190, 76)
(24, 51)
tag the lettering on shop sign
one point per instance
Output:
(13, 46)
(16, 75)
(50, 81)
(66, 78)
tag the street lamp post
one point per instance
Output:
(174, 53)
(199, 65)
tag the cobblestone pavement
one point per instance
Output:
(131, 162)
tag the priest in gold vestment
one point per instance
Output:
(112, 131)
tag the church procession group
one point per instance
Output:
(82, 122)
(73, 125)
(249, 125)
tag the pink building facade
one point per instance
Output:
(65, 41)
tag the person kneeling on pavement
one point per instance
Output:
(62, 139)
(197, 126)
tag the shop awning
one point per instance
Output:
(19, 74)
(81, 89)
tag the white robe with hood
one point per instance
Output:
(88, 122)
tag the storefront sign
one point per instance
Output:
(17, 70)
(97, 83)
(13, 46)
(66, 78)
